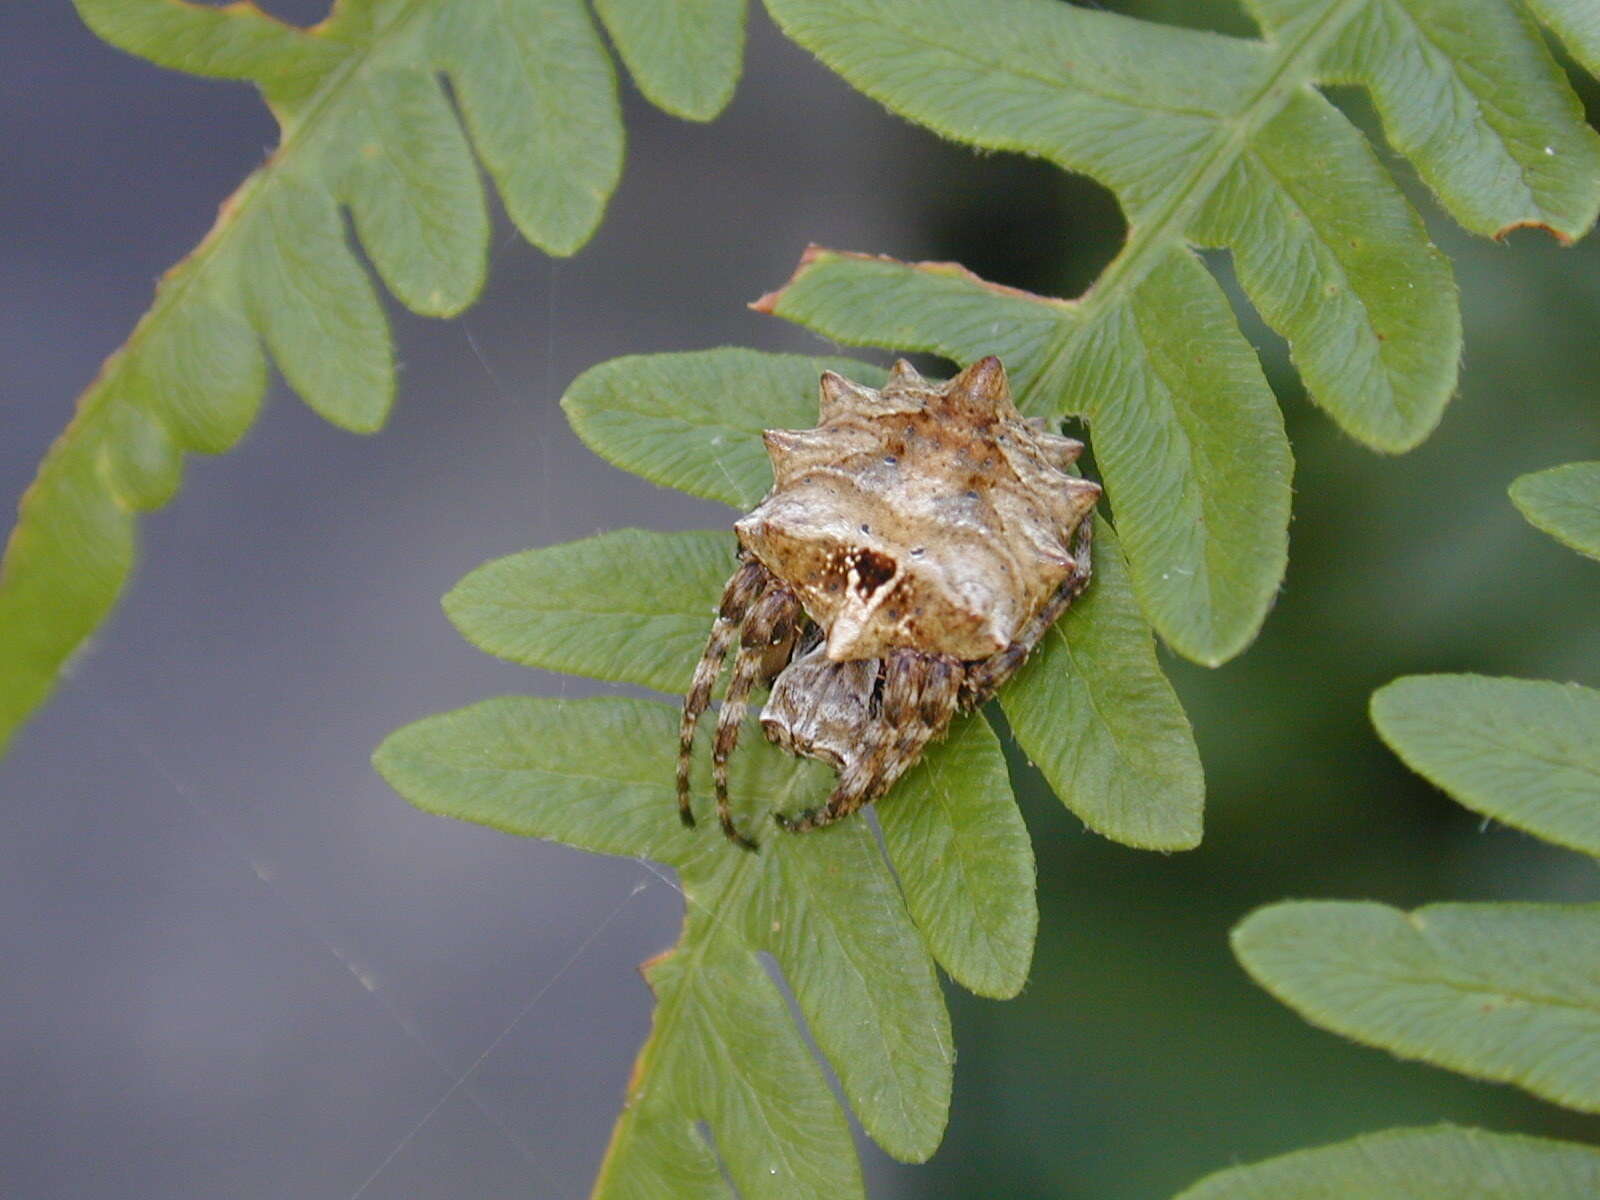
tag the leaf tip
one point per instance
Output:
(1404, 435)
(1188, 840)
(1259, 928)
(1217, 649)
(1562, 237)
(454, 605)
(1249, 924)
(768, 302)
(1383, 703)
(383, 758)
(1005, 986)
(1173, 843)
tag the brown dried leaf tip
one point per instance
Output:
(915, 547)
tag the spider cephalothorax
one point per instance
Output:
(915, 546)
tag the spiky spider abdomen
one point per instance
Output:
(914, 548)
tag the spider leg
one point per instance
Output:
(771, 624)
(929, 695)
(920, 695)
(748, 582)
(986, 677)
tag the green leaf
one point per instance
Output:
(834, 919)
(952, 829)
(1526, 752)
(853, 940)
(1194, 458)
(316, 309)
(1469, 93)
(1577, 24)
(236, 42)
(539, 97)
(724, 1031)
(1092, 707)
(964, 861)
(693, 421)
(940, 307)
(572, 608)
(685, 56)
(1563, 502)
(596, 774)
(599, 774)
(1094, 712)
(1217, 142)
(365, 127)
(1441, 1163)
(1505, 992)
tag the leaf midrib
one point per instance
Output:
(1131, 767)
(1167, 226)
(1148, 244)
(990, 920)
(849, 953)
(668, 1005)
(1492, 117)
(1485, 740)
(1464, 986)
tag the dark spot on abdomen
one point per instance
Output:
(873, 570)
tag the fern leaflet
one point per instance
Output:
(1216, 142)
(366, 127)
(1442, 1163)
(1498, 991)
(854, 941)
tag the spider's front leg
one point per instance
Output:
(747, 584)
(920, 693)
(768, 631)
(986, 677)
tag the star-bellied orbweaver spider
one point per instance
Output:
(914, 548)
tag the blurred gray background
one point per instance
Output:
(236, 964)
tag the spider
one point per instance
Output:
(914, 548)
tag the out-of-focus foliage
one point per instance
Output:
(1526, 752)
(1502, 991)
(1564, 502)
(1499, 991)
(1416, 1164)
(365, 127)
(1213, 141)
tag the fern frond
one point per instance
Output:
(1442, 1163)
(1499, 991)
(853, 939)
(1091, 708)
(1522, 751)
(1216, 142)
(366, 127)
(1564, 502)
(1506, 992)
